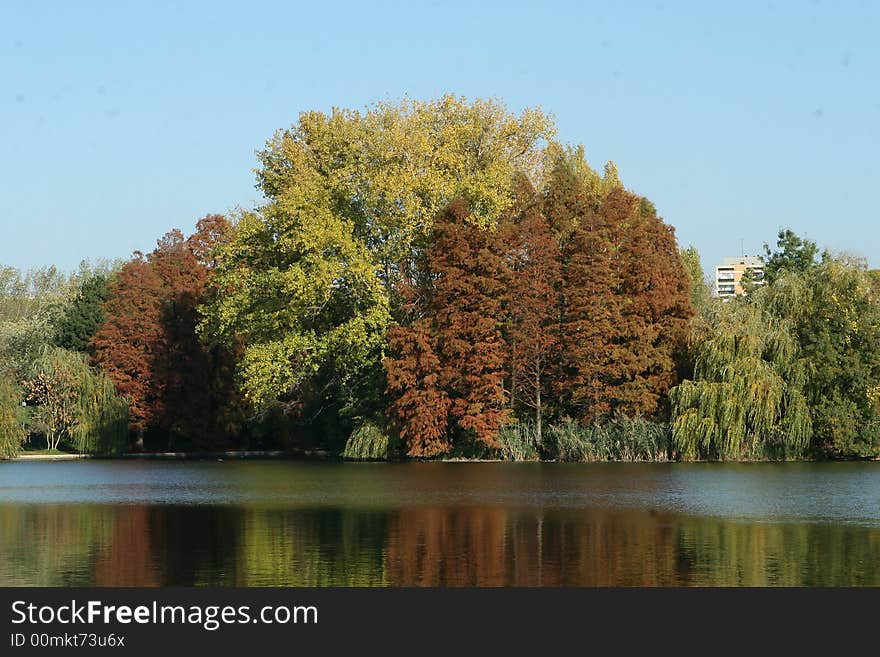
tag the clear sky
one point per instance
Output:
(120, 121)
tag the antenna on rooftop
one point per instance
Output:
(742, 249)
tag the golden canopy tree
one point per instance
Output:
(309, 279)
(393, 168)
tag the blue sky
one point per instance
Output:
(120, 121)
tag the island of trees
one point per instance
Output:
(441, 279)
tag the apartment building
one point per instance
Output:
(728, 276)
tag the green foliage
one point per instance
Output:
(29, 303)
(794, 255)
(617, 439)
(701, 295)
(746, 399)
(305, 300)
(793, 367)
(835, 314)
(12, 431)
(518, 441)
(75, 403)
(81, 318)
(369, 442)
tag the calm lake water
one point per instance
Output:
(290, 523)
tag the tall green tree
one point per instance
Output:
(82, 317)
(836, 317)
(793, 254)
(304, 298)
(701, 295)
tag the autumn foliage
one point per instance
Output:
(572, 305)
(149, 347)
(450, 365)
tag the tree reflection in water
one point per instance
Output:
(138, 545)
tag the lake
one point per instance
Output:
(297, 523)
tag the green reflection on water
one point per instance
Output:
(144, 545)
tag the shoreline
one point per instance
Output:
(182, 456)
(324, 455)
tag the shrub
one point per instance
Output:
(518, 442)
(618, 439)
(369, 442)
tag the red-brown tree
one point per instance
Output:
(586, 315)
(447, 367)
(132, 336)
(532, 307)
(149, 345)
(624, 301)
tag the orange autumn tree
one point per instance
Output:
(586, 309)
(652, 306)
(149, 347)
(127, 344)
(624, 297)
(419, 401)
(446, 369)
(531, 306)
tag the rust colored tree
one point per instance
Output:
(149, 345)
(531, 305)
(447, 365)
(586, 311)
(651, 302)
(419, 401)
(624, 298)
(130, 340)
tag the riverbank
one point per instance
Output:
(325, 455)
(181, 456)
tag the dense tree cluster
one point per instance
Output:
(442, 277)
(51, 391)
(572, 306)
(792, 369)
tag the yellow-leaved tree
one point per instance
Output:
(307, 283)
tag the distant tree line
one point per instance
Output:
(442, 278)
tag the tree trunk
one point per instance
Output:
(538, 419)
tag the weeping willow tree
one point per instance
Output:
(746, 399)
(102, 416)
(12, 432)
(76, 403)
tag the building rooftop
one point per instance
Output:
(748, 261)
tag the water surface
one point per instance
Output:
(293, 523)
